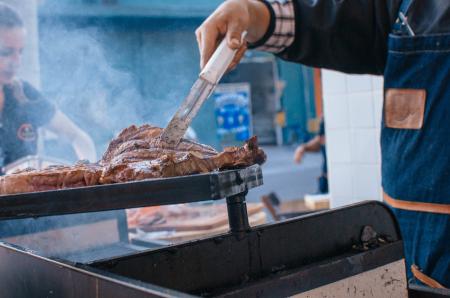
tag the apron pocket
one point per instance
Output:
(404, 108)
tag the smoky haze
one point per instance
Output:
(106, 77)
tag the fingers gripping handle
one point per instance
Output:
(219, 62)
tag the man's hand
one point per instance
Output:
(229, 21)
(299, 152)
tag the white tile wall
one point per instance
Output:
(361, 110)
(340, 151)
(366, 182)
(377, 83)
(358, 83)
(336, 83)
(378, 106)
(338, 109)
(365, 146)
(341, 184)
(352, 109)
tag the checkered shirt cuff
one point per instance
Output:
(281, 32)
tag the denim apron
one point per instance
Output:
(415, 144)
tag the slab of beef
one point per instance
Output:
(137, 153)
(54, 177)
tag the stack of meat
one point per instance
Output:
(136, 154)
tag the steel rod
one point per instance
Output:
(237, 213)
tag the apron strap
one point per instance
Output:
(417, 206)
(425, 279)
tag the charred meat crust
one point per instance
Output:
(136, 153)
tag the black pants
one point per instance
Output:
(322, 183)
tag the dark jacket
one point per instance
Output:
(25, 110)
(351, 35)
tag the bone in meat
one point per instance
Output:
(136, 153)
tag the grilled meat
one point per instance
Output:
(55, 177)
(137, 153)
(147, 137)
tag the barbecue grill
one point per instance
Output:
(355, 250)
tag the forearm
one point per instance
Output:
(313, 145)
(349, 36)
(81, 142)
(259, 22)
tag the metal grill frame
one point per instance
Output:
(151, 192)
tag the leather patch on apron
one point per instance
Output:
(404, 108)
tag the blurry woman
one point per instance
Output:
(22, 108)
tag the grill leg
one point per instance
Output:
(237, 214)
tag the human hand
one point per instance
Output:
(229, 21)
(299, 153)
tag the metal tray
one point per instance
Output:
(151, 192)
(274, 260)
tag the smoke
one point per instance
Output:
(80, 236)
(76, 75)
(107, 77)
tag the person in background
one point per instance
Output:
(315, 145)
(406, 41)
(22, 108)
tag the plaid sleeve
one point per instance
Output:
(281, 31)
